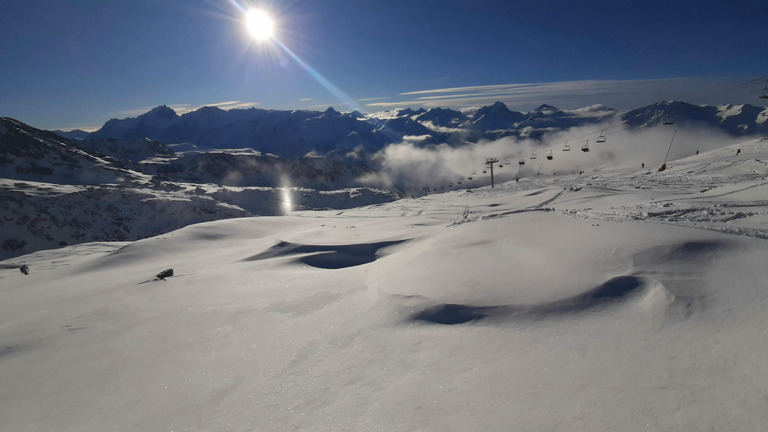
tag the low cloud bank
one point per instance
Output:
(410, 168)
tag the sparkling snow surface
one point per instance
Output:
(615, 300)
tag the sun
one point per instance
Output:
(259, 24)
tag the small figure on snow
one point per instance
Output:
(24, 269)
(643, 165)
(164, 274)
(738, 152)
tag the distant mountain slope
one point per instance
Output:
(248, 168)
(131, 150)
(55, 191)
(27, 153)
(74, 134)
(284, 133)
(733, 119)
(496, 116)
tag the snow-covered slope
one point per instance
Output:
(127, 150)
(56, 192)
(619, 299)
(734, 119)
(27, 153)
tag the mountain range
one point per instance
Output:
(335, 134)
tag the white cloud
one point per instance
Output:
(411, 167)
(465, 89)
(372, 99)
(619, 94)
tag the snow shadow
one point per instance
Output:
(614, 292)
(694, 252)
(330, 257)
(12, 349)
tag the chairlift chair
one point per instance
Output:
(566, 147)
(601, 138)
(533, 155)
(585, 147)
(765, 91)
(550, 156)
(522, 162)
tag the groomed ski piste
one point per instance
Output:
(621, 299)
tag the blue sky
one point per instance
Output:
(77, 63)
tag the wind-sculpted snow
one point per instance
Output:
(612, 293)
(327, 256)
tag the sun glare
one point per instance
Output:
(259, 24)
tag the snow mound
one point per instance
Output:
(616, 292)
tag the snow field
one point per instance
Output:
(621, 299)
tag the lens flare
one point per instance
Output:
(259, 24)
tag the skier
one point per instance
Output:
(24, 269)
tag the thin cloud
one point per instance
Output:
(620, 94)
(464, 89)
(373, 99)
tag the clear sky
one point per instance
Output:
(78, 63)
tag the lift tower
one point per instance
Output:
(489, 163)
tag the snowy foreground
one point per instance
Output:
(618, 300)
